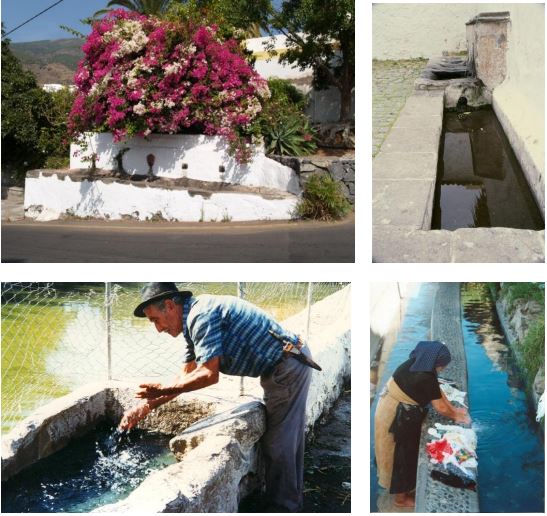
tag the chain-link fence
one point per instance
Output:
(59, 336)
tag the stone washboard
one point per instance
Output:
(431, 495)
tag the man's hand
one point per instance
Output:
(151, 391)
(132, 416)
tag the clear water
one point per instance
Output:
(416, 326)
(510, 449)
(100, 468)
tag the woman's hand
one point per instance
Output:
(132, 416)
(462, 416)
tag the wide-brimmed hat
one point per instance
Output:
(154, 292)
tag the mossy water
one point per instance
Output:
(96, 470)
(510, 445)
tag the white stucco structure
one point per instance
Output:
(50, 198)
(519, 102)
(186, 155)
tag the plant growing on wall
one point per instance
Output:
(142, 75)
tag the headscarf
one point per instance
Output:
(428, 355)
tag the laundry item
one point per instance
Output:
(541, 408)
(453, 455)
(453, 394)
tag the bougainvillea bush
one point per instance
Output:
(142, 75)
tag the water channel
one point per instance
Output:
(479, 180)
(97, 469)
(510, 447)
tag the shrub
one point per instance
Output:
(283, 125)
(322, 199)
(523, 290)
(142, 75)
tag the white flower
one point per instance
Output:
(139, 109)
(172, 68)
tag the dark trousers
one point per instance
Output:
(285, 394)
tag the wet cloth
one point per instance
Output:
(234, 330)
(421, 386)
(390, 472)
(285, 394)
(429, 354)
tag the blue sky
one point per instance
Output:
(46, 26)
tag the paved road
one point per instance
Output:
(98, 241)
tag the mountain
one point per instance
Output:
(52, 61)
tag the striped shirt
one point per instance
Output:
(234, 330)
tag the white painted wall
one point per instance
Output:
(406, 31)
(387, 301)
(97, 199)
(519, 101)
(202, 155)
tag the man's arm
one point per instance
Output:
(196, 376)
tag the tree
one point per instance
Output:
(244, 17)
(23, 108)
(321, 34)
(149, 7)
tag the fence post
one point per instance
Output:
(241, 295)
(108, 309)
(310, 290)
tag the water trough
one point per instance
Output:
(406, 180)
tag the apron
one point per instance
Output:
(397, 433)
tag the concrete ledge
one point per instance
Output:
(405, 170)
(432, 496)
(392, 244)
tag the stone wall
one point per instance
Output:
(343, 170)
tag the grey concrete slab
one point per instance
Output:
(391, 244)
(418, 121)
(424, 103)
(405, 165)
(498, 245)
(403, 203)
(432, 496)
(412, 140)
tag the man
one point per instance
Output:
(227, 335)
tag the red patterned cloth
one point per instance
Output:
(438, 449)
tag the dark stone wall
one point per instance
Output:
(342, 170)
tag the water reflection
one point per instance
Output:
(510, 450)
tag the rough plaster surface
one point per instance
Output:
(220, 458)
(405, 31)
(433, 496)
(192, 156)
(48, 197)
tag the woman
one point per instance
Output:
(400, 413)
